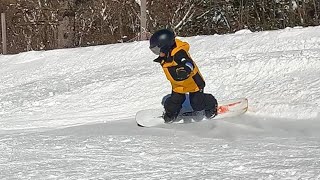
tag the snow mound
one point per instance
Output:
(276, 70)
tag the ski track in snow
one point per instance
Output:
(102, 152)
(69, 113)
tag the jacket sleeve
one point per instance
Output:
(183, 60)
(184, 66)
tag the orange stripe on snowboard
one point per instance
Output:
(224, 109)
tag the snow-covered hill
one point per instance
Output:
(69, 113)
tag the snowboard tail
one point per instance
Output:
(229, 108)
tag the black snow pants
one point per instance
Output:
(199, 101)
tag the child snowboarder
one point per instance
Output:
(183, 74)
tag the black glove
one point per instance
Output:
(183, 72)
(161, 59)
(158, 60)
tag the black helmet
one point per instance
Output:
(162, 39)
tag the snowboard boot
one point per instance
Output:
(169, 117)
(211, 113)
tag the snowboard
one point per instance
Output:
(227, 108)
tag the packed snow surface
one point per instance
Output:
(69, 113)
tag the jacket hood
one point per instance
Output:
(180, 45)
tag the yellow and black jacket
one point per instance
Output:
(180, 58)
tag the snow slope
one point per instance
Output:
(69, 113)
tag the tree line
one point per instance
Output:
(52, 24)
